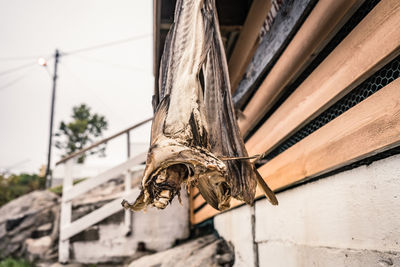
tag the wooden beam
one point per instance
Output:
(288, 19)
(244, 48)
(191, 207)
(207, 211)
(368, 128)
(322, 23)
(103, 141)
(373, 43)
(95, 216)
(66, 213)
(198, 201)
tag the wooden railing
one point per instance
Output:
(69, 228)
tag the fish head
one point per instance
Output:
(170, 165)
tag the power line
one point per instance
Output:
(21, 58)
(24, 66)
(113, 64)
(20, 78)
(95, 47)
(92, 93)
(99, 46)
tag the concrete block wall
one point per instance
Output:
(158, 229)
(348, 219)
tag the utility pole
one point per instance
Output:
(48, 175)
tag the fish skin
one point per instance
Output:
(194, 127)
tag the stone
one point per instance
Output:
(27, 205)
(29, 216)
(203, 251)
(38, 246)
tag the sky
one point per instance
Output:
(115, 81)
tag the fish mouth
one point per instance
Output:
(165, 184)
(189, 166)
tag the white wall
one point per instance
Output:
(157, 228)
(348, 219)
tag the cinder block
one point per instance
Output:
(236, 226)
(276, 254)
(160, 228)
(357, 209)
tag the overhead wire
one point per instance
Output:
(11, 70)
(99, 46)
(110, 63)
(94, 94)
(15, 81)
(80, 50)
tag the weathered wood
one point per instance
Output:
(95, 216)
(243, 50)
(105, 140)
(322, 24)
(368, 128)
(112, 173)
(207, 211)
(66, 211)
(128, 214)
(373, 43)
(287, 21)
(198, 201)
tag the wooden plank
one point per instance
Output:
(112, 173)
(191, 207)
(127, 213)
(66, 212)
(286, 22)
(373, 43)
(243, 50)
(95, 216)
(322, 23)
(207, 211)
(198, 201)
(368, 128)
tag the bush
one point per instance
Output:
(14, 186)
(10, 262)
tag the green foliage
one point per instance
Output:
(14, 186)
(58, 189)
(10, 262)
(80, 132)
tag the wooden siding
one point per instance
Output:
(246, 43)
(323, 22)
(370, 127)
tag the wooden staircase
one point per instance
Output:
(70, 228)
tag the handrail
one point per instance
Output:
(105, 140)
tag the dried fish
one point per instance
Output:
(195, 139)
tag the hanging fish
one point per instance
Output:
(195, 138)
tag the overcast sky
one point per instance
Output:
(115, 81)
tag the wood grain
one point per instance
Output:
(289, 18)
(373, 43)
(368, 128)
(246, 43)
(198, 201)
(322, 23)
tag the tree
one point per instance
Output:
(80, 132)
